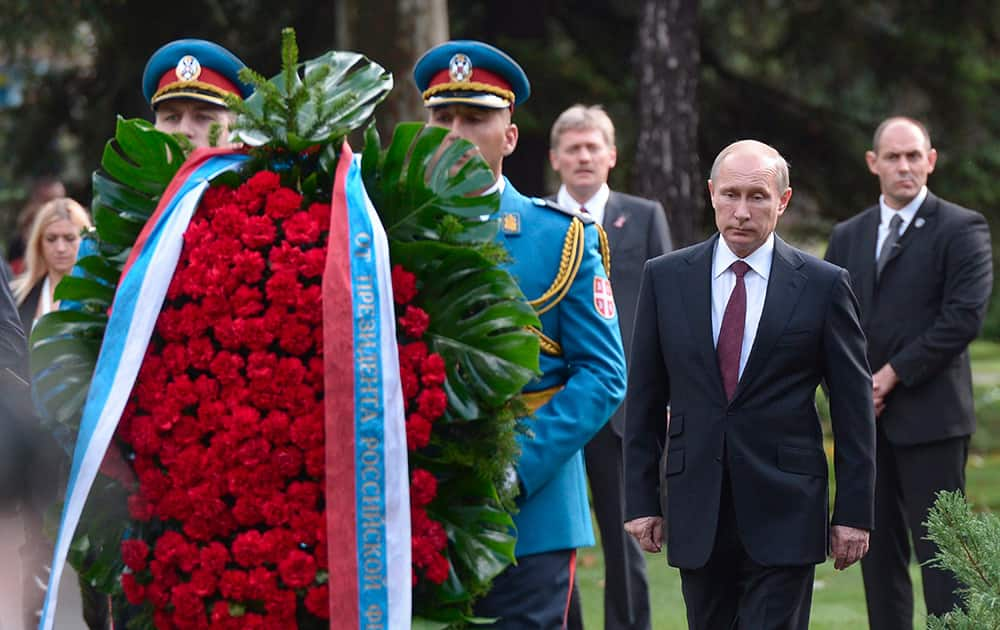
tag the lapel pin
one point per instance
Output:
(620, 221)
(919, 222)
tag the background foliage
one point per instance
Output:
(811, 77)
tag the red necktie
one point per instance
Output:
(583, 210)
(731, 333)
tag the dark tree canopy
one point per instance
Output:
(812, 78)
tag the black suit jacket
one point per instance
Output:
(637, 231)
(769, 435)
(922, 314)
(29, 307)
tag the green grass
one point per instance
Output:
(838, 596)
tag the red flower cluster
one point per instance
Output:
(423, 375)
(224, 427)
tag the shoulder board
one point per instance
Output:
(546, 203)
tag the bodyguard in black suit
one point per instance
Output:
(736, 333)
(583, 153)
(922, 268)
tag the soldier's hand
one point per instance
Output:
(648, 532)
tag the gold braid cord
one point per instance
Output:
(547, 344)
(469, 86)
(605, 249)
(569, 265)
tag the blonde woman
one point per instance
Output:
(49, 255)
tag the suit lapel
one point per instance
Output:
(924, 214)
(697, 292)
(864, 279)
(784, 287)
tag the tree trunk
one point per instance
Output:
(393, 33)
(666, 161)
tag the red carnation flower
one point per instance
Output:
(289, 460)
(134, 554)
(226, 367)
(229, 220)
(284, 257)
(262, 583)
(200, 352)
(261, 183)
(275, 427)
(418, 431)
(254, 333)
(140, 508)
(248, 549)
(224, 332)
(282, 288)
(217, 196)
(409, 381)
(282, 203)
(295, 338)
(281, 605)
(412, 355)
(318, 601)
(320, 212)
(433, 370)
(423, 487)
(301, 229)
(234, 585)
(432, 403)
(297, 569)
(438, 569)
(258, 232)
(313, 262)
(204, 583)
(415, 321)
(135, 593)
(304, 495)
(404, 285)
(315, 462)
(248, 266)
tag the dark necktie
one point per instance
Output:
(731, 332)
(888, 244)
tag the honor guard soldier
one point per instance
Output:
(185, 82)
(561, 262)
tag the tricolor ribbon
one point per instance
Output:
(367, 480)
(136, 306)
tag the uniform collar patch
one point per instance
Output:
(511, 223)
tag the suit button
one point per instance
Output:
(719, 459)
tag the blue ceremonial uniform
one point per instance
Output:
(554, 509)
(559, 259)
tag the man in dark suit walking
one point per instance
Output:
(583, 153)
(736, 333)
(923, 271)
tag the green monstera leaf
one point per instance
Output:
(478, 324)
(420, 180)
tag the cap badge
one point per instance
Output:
(188, 68)
(460, 68)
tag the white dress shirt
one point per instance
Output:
(905, 213)
(594, 205)
(755, 281)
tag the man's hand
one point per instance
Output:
(648, 531)
(847, 545)
(882, 383)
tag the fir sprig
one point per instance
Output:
(315, 103)
(969, 547)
